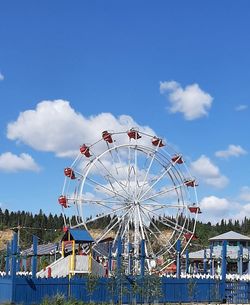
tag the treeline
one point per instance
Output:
(49, 228)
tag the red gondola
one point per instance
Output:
(190, 182)
(189, 235)
(157, 142)
(194, 209)
(177, 159)
(63, 201)
(68, 172)
(84, 149)
(107, 136)
(65, 229)
(133, 134)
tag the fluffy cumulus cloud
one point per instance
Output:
(214, 205)
(241, 107)
(231, 151)
(1, 76)
(208, 172)
(191, 101)
(10, 162)
(214, 209)
(54, 126)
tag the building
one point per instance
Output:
(238, 255)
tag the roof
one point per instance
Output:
(232, 253)
(231, 235)
(78, 235)
(44, 249)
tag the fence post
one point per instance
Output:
(224, 268)
(178, 265)
(34, 257)
(7, 264)
(211, 260)
(142, 258)
(187, 261)
(13, 266)
(110, 258)
(240, 259)
(205, 262)
(13, 256)
(119, 255)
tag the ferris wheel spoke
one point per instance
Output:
(156, 181)
(105, 215)
(147, 172)
(105, 188)
(113, 177)
(160, 193)
(108, 228)
(170, 224)
(104, 201)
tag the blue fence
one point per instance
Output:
(27, 290)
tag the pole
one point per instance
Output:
(110, 258)
(224, 268)
(205, 262)
(178, 265)
(211, 260)
(7, 264)
(13, 255)
(34, 257)
(119, 255)
(187, 261)
(240, 260)
(143, 255)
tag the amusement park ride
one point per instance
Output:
(144, 186)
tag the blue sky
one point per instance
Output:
(178, 67)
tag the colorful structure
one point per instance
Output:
(145, 188)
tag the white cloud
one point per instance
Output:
(208, 172)
(245, 193)
(192, 101)
(241, 107)
(13, 163)
(214, 205)
(231, 151)
(54, 126)
(1, 76)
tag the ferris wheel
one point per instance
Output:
(138, 188)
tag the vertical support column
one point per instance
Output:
(34, 257)
(248, 261)
(187, 261)
(240, 260)
(224, 268)
(119, 255)
(63, 248)
(110, 258)
(143, 255)
(13, 255)
(178, 263)
(205, 262)
(211, 260)
(7, 263)
(90, 258)
(72, 267)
